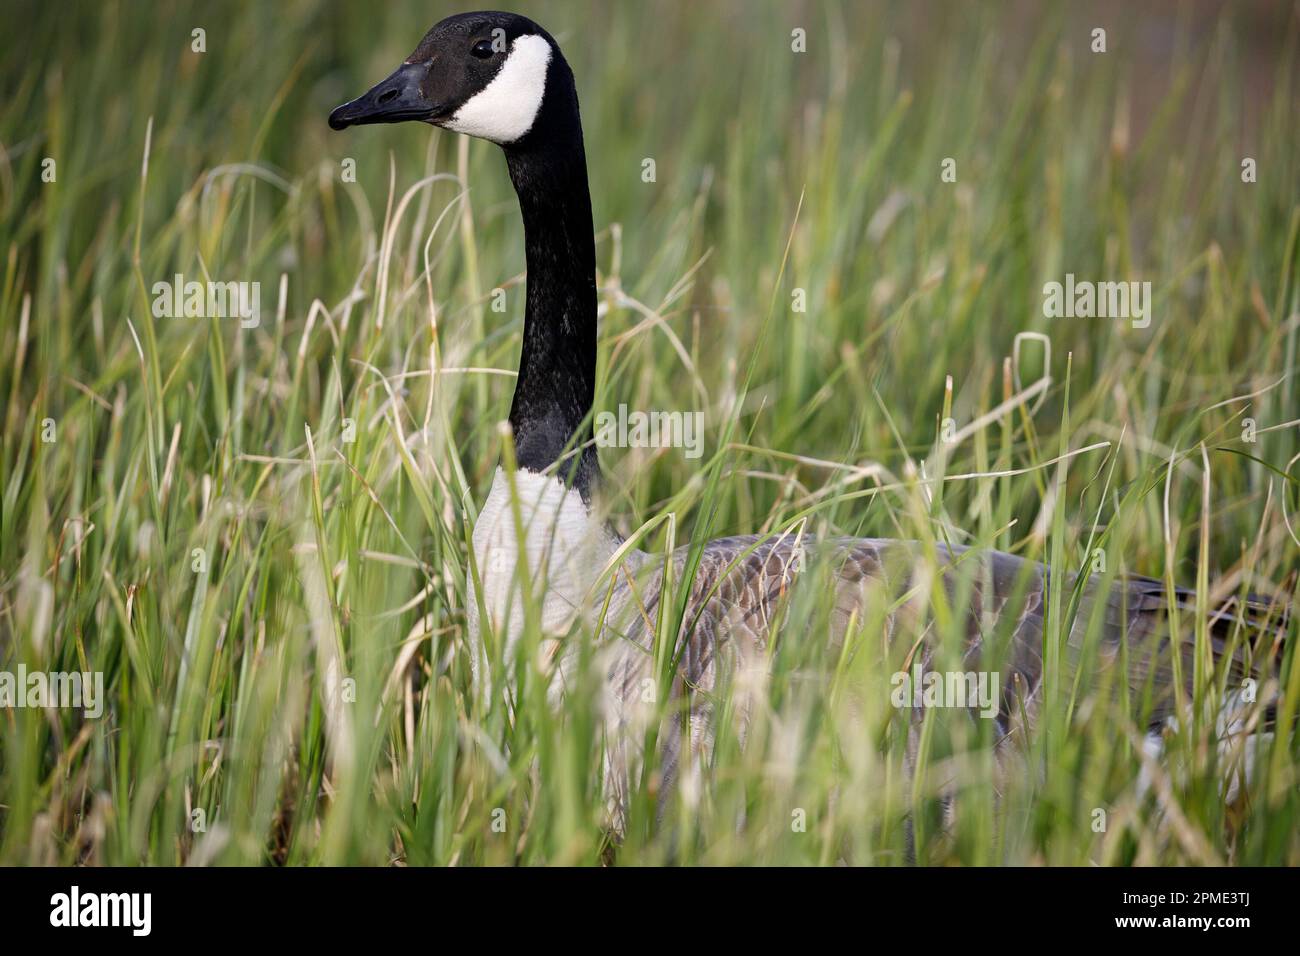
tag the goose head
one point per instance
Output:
(497, 76)
(502, 78)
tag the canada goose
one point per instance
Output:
(501, 77)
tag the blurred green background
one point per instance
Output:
(182, 534)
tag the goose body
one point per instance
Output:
(501, 77)
(743, 584)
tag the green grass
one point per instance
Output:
(184, 444)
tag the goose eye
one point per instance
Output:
(482, 49)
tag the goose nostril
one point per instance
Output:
(387, 97)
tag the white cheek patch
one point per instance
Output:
(504, 110)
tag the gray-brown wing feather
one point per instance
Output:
(740, 589)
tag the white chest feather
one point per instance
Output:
(562, 547)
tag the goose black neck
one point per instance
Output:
(550, 414)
